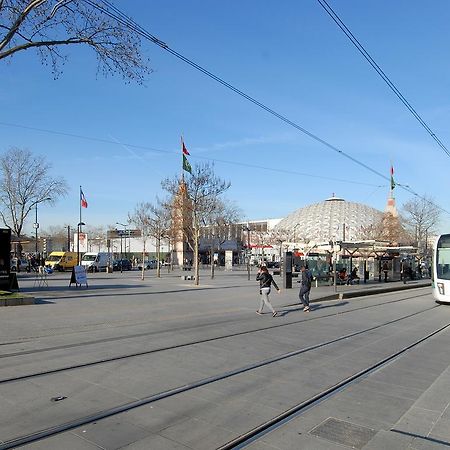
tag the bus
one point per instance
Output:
(441, 269)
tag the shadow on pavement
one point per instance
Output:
(313, 307)
(82, 292)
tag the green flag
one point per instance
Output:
(186, 166)
(392, 178)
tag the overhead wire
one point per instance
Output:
(123, 19)
(206, 158)
(334, 16)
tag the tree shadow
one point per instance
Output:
(95, 291)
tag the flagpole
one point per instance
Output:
(78, 231)
(182, 170)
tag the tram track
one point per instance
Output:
(173, 347)
(263, 428)
(278, 421)
(191, 327)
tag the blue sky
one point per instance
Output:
(288, 55)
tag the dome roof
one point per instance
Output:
(325, 220)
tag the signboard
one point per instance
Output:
(117, 234)
(79, 276)
(5, 251)
(229, 260)
(83, 242)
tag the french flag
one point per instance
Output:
(84, 203)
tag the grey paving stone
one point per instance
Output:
(66, 441)
(441, 429)
(288, 439)
(387, 440)
(153, 417)
(393, 390)
(429, 443)
(197, 434)
(236, 415)
(111, 433)
(373, 406)
(403, 377)
(417, 420)
(156, 442)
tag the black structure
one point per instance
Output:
(287, 270)
(5, 259)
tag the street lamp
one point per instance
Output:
(36, 223)
(125, 226)
(78, 241)
(247, 229)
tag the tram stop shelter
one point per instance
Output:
(375, 259)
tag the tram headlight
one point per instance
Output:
(441, 289)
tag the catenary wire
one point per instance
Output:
(206, 158)
(329, 10)
(131, 24)
(126, 21)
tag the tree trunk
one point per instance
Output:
(212, 263)
(196, 271)
(158, 257)
(143, 260)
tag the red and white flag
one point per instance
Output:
(185, 152)
(84, 203)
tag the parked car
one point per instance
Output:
(23, 264)
(125, 264)
(152, 264)
(273, 265)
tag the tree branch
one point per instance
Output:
(33, 4)
(18, 48)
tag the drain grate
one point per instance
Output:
(345, 433)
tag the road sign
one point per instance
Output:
(117, 234)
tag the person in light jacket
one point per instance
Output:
(265, 282)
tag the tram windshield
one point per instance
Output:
(443, 257)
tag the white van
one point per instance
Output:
(95, 261)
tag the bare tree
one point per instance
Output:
(277, 237)
(198, 198)
(48, 26)
(25, 182)
(218, 230)
(388, 228)
(59, 236)
(141, 219)
(153, 221)
(158, 228)
(422, 216)
(97, 237)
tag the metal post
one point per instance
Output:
(68, 238)
(121, 254)
(249, 251)
(78, 245)
(36, 226)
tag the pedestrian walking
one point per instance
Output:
(265, 282)
(305, 287)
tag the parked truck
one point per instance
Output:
(95, 261)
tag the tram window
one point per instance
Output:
(443, 258)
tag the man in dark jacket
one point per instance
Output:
(305, 287)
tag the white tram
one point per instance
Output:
(441, 269)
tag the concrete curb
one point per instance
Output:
(370, 291)
(17, 301)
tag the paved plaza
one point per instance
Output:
(163, 364)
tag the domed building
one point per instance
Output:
(334, 218)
